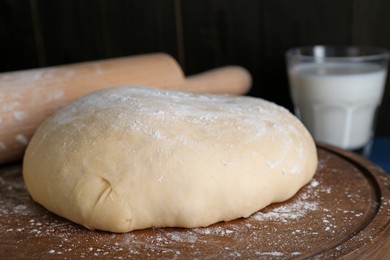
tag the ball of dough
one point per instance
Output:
(130, 158)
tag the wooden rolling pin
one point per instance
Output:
(28, 97)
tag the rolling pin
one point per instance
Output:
(28, 97)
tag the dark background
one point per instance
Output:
(200, 34)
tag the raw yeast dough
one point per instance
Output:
(130, 158)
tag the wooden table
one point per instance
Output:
(343, 212)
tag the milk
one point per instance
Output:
(337, 102)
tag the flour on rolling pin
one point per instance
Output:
(17, 103)
(29, 97)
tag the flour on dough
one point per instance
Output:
(130, 158)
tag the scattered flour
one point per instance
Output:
(290, 211)
(68, 239)
(20, 115)
(22, 139)
(3, 147)
(279, 231)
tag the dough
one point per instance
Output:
(130, 158)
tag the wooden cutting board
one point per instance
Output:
(343, 212)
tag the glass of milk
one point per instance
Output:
(336, 92)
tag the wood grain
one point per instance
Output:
(343, 212)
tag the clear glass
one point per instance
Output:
(336, 92)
